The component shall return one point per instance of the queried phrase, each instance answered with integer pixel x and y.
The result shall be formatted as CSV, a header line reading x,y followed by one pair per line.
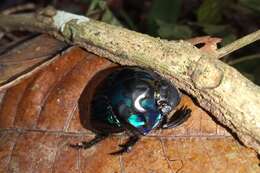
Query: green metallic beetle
x,y
134,100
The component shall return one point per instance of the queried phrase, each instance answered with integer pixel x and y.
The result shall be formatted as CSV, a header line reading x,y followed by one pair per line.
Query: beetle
x,y
136,101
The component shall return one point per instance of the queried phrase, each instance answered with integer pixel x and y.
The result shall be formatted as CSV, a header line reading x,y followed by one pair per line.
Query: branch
x,y
217,87
246,40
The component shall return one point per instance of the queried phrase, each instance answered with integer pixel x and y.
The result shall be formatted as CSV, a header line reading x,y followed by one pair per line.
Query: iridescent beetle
x,y
136,101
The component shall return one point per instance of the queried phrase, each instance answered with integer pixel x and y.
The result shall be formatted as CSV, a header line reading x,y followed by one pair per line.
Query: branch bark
x,y
217,87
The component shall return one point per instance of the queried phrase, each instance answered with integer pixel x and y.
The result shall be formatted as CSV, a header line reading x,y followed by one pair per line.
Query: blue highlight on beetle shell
x,y
148,104
136,120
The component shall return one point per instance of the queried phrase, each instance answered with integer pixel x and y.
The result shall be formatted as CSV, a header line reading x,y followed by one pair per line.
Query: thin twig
x,y
245,58
246,40
19,8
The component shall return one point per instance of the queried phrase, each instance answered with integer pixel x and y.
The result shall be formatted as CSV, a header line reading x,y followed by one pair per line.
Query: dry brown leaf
x,y
40,117
209,44
27,56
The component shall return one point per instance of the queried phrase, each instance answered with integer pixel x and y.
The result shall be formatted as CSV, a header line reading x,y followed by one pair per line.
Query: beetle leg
x,y
85,145
127,147
177,118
